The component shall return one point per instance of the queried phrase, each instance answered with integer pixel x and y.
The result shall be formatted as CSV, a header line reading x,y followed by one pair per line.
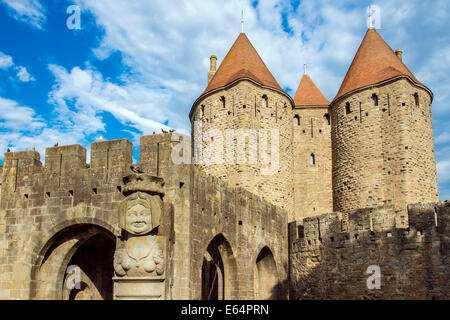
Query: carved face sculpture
x,y
138,219
140,213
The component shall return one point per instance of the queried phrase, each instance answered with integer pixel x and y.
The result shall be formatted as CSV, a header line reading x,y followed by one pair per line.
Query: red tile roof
x,y
242,61
374,62
308,94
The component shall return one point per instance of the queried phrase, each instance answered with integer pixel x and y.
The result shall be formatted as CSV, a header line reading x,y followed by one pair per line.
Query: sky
x,y
134,67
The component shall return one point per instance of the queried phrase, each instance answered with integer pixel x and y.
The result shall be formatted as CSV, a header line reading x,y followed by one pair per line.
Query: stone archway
x,y
266,280
83,253
219,272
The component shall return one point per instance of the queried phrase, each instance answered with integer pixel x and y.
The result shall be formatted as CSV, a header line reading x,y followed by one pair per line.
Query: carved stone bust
x,y
140,251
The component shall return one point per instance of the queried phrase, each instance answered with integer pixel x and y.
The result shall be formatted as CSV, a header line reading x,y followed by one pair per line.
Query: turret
x,y
382,136
242,126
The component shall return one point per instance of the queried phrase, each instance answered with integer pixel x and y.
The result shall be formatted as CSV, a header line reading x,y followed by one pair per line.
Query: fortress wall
x,y
330,254
247,222
38,201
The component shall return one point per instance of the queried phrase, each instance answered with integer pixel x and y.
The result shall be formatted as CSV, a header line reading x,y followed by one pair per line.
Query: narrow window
x,y
347,108
312,159
326,119
375,99
416,99
202,111
264,101
296,121
222,100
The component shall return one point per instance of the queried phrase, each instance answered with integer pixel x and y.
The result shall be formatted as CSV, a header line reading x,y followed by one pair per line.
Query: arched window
x,y
326,119
312,159
222,100
416,99
347,108
202,111
375,99
296,121
264,101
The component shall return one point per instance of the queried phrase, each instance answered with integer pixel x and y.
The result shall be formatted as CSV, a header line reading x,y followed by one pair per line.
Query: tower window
x,y
347,108
264,101
416,99
312,159
326,119
202,111
375,99
222,100
296,121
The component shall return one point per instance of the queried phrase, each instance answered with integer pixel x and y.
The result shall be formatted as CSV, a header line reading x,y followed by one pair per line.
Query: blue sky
x,y
137,66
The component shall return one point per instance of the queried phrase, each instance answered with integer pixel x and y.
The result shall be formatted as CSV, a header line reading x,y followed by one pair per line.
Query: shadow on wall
x,y
367,257
266,279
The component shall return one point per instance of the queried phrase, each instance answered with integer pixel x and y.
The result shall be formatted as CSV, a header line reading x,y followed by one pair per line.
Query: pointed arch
x,y
266,278
219,271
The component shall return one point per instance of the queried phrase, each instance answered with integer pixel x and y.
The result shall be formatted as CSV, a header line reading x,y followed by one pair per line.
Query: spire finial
x,y
370,17
242,20
304,67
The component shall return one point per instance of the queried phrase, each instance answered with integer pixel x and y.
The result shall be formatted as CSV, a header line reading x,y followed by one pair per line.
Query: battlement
x,y
334,229
66,172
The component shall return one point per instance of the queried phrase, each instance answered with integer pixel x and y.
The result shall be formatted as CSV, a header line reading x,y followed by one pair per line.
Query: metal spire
x,y
242,21
370,17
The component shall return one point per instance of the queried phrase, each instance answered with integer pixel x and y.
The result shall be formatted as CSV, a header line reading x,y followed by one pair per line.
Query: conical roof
x,y
242,61
308,94
374,62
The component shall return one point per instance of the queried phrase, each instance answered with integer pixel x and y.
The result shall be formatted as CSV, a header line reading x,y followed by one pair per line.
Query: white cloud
x,y
6,62
81,96
443,169
23,75
29,11
17,117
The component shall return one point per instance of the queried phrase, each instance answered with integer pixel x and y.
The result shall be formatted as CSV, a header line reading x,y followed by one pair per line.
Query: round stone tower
x,y
382,138
242,126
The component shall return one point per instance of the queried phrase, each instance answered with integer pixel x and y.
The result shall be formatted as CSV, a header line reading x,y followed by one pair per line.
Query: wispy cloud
x,y
6,63
29,11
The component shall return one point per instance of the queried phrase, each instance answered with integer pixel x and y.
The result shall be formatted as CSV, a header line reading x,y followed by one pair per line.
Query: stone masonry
x,y
311,146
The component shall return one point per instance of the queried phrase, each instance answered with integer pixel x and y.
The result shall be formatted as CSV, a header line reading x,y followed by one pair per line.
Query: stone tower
x,y
382,136
311,146
242,126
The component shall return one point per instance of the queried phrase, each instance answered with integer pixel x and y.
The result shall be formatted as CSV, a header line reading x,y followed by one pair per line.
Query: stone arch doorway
x,y
219,271
80,254
266,282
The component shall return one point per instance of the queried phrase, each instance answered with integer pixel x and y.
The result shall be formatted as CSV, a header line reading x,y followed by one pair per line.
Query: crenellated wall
x,y
330,254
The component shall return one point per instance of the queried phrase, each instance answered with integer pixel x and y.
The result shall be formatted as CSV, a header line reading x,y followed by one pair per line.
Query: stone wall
x,y
383,154
248,224
330,254
311,146
244,108
49,213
